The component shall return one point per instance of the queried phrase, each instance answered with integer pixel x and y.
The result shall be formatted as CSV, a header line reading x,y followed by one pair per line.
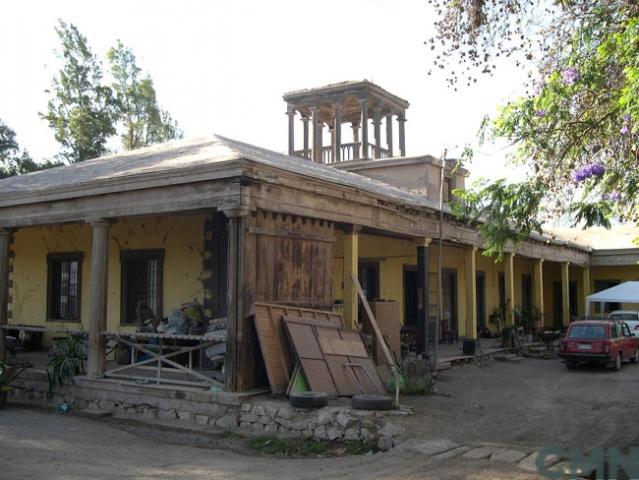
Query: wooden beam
x,y
538,287
509,274
470,265
565,293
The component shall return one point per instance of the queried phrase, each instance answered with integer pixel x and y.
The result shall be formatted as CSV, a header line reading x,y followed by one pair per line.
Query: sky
x,y
222,66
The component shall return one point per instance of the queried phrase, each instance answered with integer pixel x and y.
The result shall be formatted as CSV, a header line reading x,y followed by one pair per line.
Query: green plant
x,y
66,363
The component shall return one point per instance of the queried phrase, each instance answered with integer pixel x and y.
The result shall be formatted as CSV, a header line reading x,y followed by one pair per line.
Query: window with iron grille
x,y
141,283
64,271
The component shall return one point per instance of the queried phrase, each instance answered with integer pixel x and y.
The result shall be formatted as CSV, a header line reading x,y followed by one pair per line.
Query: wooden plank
x,y
273,342
342,347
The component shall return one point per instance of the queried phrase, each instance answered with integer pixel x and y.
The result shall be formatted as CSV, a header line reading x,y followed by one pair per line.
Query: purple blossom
x,y
613,196
626,118
587,171
540,113
624,130
570,75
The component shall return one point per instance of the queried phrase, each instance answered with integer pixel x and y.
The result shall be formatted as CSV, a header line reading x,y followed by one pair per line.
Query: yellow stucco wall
x,y
181,238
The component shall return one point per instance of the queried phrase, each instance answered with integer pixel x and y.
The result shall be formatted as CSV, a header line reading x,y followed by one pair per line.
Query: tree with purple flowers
x,y
577,128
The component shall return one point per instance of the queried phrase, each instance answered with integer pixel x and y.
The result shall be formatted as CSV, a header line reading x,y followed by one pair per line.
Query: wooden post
x,y
5,242
96,361
364,125
378,134
423,273
565,293
509,277
471,292
389,134
538,287
351,248
401,120
337,134
290,111
585,280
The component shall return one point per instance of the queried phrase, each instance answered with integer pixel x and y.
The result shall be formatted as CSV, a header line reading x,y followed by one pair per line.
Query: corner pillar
x,y
351,257
290,111
470,263
401,120
96,354
305,121
509,277
5,249
565,293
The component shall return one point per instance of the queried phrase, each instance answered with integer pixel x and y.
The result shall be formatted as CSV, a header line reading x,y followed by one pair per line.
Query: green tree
x,y
81,109
577,128
12,160
142,120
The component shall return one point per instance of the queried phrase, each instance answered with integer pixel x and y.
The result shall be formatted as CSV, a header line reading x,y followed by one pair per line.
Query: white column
x,y
290,111
378,134
337,133
401,120
364,127
389,134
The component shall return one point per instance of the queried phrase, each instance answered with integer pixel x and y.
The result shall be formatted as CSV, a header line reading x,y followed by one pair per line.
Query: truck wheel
x,y
3,399
372,402
309,399
635,357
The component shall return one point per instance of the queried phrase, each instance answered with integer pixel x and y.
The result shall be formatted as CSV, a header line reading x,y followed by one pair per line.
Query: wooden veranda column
x,y
470,264
423,273
351,254
585,280
538,286
5,242
565,293
96,361
509,277
235,291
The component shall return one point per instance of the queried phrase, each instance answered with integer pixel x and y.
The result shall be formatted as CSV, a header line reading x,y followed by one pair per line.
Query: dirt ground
x,y
532,403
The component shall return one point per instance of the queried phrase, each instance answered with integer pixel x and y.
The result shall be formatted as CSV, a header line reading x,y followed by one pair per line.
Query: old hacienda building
x,y
225,224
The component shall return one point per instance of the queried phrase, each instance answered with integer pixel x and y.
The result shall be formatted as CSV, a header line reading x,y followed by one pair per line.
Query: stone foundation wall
x,y
219,410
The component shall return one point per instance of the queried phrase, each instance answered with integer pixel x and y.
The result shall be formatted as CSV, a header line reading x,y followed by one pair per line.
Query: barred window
x,y
63,287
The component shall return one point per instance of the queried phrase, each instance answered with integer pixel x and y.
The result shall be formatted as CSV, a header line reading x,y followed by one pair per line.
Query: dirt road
x,y
36,445
531,403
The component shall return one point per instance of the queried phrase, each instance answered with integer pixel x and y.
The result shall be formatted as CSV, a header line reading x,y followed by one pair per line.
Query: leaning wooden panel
x,y
273,342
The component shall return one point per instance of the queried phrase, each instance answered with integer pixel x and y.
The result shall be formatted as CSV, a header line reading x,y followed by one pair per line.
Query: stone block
x,y
385,443
333,433
258,410
351,434
455,452
391,430
264,420
107,404
202,419
270,428
228,422
344,420
285,413
509,456
185,416
480,453
164,414
530,462
246,407
429,447
366,434
248,417
320,433
257,427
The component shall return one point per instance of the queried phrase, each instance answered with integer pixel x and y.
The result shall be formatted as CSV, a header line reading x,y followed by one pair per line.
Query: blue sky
x,y
221,67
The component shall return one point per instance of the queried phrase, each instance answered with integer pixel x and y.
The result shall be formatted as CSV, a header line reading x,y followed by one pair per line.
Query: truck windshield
x,y
587,331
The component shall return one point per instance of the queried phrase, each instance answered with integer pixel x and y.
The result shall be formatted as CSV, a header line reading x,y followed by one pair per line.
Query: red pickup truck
x,y
599,341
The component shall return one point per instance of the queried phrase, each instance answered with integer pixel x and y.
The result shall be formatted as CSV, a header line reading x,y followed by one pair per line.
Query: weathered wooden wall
x,y
286,260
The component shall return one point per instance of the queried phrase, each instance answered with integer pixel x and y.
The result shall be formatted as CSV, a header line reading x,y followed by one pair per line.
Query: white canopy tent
x,y
627,292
